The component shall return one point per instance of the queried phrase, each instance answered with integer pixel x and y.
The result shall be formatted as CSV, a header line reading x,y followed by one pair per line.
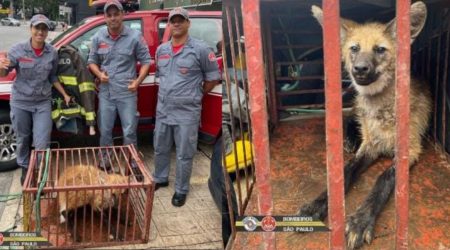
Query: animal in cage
x,y
369,55
82,175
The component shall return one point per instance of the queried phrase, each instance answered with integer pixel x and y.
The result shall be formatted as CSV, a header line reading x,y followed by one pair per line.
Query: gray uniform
x,y
118,58
179,106
31,97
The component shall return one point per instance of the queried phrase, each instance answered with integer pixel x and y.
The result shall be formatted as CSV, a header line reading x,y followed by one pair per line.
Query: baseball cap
x,y
38,19
113,3
178,11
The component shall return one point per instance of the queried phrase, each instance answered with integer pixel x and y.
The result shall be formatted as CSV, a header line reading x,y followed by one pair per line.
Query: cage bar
x,y
127,216
258,113
333,120
402,110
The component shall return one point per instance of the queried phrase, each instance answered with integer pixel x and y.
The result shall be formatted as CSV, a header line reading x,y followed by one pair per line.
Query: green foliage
x,y
50,8
5,4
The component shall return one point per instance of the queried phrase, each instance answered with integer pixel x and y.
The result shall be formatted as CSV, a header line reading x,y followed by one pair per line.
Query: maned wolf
x,y
82,175
368,52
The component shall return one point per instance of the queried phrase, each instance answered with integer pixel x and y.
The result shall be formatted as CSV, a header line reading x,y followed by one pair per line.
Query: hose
x,y
41,187
9,197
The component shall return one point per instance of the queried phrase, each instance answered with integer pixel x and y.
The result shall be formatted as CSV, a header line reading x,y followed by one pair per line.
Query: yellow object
x,y
240,62
241,161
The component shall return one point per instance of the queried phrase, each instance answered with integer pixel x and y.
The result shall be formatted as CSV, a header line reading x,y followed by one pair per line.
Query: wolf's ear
x,y
418,16
317,13
346,24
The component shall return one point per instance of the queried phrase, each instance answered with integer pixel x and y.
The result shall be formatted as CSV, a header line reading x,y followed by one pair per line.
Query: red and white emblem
x,y
103,45
268,223
25,59
212,57
184,70
166,56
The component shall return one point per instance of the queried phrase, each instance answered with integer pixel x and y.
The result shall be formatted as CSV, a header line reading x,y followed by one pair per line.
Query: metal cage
x,y
127,206
267,75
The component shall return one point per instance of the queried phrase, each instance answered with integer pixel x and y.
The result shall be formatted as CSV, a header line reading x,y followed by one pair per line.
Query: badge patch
x,y
103,46
184,70
268,223
212,57
166,56
25,59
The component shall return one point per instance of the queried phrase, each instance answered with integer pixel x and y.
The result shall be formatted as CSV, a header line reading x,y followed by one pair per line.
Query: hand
x,y
5,63
67,99
104,78
133,86
91,130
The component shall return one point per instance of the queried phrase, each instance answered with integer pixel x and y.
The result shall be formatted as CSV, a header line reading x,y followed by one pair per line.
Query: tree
x,y
50,8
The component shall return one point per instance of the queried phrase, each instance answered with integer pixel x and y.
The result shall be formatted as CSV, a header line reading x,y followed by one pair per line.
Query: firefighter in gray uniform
x,y
183,64
112,60
35,62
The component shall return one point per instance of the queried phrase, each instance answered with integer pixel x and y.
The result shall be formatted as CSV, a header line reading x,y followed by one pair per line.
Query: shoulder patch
x,y
212,57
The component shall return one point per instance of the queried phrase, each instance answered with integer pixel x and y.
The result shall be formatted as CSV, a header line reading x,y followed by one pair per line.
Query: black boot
x,y
178,199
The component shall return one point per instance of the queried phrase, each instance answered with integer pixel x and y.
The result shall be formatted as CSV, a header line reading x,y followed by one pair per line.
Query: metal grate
x,y
237,122
107,191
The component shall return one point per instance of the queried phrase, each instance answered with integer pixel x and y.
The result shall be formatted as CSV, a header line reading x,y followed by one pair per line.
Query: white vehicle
x,y
9,21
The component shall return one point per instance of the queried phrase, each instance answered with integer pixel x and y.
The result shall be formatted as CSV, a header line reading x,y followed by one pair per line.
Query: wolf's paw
x,y
359,229
316,210
350,146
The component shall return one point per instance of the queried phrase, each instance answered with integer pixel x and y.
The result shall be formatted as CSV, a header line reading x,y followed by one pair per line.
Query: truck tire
x,y
8,145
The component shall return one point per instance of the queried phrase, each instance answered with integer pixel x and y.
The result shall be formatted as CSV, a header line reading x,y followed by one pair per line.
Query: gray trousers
x,y
185,138
37,125
128,114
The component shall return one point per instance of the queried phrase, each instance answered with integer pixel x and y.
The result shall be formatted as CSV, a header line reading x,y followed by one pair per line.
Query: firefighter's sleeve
x,y
87,90
208,62
142,53
93,56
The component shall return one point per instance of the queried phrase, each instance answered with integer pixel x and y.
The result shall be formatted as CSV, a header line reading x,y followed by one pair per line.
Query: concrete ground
x,y
196,225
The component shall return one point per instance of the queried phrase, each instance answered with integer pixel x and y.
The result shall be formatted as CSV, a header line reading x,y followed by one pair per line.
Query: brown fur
x,y
84,175
369,54
375,103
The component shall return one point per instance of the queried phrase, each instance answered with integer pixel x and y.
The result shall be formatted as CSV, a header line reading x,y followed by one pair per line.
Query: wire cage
x,y
88,197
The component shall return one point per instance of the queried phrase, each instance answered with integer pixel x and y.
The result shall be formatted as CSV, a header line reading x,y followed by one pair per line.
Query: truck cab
x,y
205,25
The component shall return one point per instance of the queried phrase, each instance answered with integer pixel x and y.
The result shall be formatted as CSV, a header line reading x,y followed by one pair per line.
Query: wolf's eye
x,y
354,48
380,50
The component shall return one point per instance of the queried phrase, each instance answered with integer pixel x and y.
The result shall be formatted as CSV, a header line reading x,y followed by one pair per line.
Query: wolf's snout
x,y
361,69
363,73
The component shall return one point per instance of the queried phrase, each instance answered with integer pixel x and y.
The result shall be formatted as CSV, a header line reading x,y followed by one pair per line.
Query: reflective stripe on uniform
x,y
68,80
90,116
71,111
86,86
